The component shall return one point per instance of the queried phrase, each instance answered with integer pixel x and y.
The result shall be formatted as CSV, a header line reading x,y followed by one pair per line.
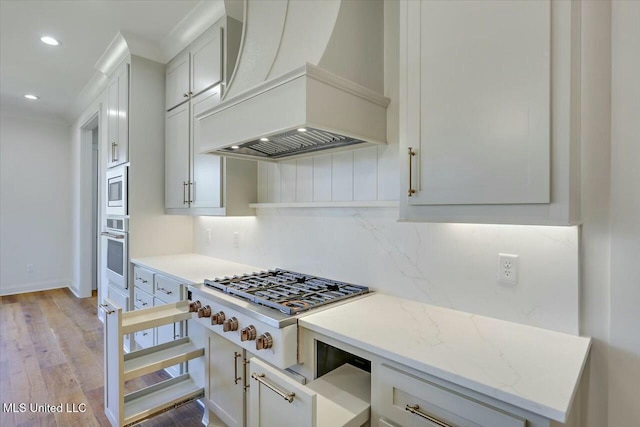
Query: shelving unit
x,y
127,409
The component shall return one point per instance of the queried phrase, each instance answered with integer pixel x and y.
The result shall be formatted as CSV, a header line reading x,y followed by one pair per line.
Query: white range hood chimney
x,y
309,77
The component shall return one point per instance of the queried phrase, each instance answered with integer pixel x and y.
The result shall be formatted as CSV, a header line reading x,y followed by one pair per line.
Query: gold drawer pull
x,y
415,410
236,355
411,154
287,396
105,308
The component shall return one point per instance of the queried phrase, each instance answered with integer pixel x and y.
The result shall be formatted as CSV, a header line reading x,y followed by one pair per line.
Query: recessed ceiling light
x,y
49,40
302,130
264,139
235,147
32,97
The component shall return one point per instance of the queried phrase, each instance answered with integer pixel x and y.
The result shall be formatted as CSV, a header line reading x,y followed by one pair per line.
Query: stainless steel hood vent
x,y
293,142
302,64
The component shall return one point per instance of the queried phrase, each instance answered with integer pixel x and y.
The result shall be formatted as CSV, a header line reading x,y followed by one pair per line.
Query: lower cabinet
x,y
227,395
405,400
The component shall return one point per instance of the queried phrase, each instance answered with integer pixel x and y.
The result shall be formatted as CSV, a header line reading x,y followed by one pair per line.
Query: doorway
x,y
90,235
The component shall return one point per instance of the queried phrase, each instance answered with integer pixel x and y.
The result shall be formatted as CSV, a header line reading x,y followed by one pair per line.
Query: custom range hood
x,y
309,78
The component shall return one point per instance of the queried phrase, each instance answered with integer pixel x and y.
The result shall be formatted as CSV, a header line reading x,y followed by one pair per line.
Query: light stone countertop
x,y
532,368
192,269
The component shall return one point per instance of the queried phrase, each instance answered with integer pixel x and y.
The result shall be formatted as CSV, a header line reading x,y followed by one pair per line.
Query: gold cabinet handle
x,y
184,192
261,379
415,410
236,378
411,154
245,382
105,308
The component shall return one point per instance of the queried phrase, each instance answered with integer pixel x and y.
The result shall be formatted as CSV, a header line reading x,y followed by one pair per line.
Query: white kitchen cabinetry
x,y
337,399
227,395
205,63
118,116
409,400
177,158
487,115
177,82
203,184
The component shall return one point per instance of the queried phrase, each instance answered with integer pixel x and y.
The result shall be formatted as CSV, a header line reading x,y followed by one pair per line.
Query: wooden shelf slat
x,y
138,320
160,397
159,357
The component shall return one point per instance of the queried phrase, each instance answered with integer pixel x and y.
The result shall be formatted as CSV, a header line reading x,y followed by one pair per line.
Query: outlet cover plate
x,y
508,269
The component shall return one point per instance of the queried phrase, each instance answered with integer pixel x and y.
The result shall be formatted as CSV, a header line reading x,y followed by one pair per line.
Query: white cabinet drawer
x,y
340,398
166,289
143,279
141,299
119,297
408,400
143,339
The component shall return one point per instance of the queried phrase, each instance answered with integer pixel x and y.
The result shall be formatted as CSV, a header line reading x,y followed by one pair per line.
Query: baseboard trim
x,y
35,287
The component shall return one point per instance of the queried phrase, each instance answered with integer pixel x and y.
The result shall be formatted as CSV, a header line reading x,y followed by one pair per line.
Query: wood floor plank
x,y
51,351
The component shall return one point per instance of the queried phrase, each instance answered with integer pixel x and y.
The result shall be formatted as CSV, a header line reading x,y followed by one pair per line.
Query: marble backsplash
x,y
450,265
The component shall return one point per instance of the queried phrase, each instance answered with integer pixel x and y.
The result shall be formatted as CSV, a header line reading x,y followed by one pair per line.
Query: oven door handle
x,y
113,236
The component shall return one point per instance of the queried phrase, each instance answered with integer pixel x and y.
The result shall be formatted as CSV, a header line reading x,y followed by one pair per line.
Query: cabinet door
x,y
478,102
269,408
207,169
122,148
206,61
177,81
177,158
112,123
225,393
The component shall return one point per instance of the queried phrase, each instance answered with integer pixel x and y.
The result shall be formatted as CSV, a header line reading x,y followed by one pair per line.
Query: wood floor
x,y
51,352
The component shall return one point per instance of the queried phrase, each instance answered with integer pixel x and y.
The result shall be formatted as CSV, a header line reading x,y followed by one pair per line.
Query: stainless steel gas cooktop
x,y
286,291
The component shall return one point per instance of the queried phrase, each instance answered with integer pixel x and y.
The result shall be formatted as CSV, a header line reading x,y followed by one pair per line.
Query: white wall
x,y
624,336
35,199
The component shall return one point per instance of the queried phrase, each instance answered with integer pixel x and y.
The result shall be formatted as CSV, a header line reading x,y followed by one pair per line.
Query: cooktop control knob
x,y
230,325
194,306
248,333
204,311
264,341
218,318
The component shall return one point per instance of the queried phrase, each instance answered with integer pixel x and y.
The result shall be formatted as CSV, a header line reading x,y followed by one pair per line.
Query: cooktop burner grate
x,y
286,291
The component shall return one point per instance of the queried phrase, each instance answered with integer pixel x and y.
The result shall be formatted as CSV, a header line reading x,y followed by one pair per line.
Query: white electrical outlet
x,y
236,239
29,268
508,269
208,235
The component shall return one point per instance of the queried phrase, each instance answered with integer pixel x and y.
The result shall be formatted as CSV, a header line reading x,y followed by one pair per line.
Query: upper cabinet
x,y
118,117
196,183
177,81
487,125
196,69
207,62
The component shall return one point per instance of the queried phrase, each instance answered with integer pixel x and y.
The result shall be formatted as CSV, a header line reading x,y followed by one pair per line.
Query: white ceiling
x,y
85,28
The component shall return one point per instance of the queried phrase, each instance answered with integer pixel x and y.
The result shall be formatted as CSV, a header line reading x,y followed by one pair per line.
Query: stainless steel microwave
x,y
117,190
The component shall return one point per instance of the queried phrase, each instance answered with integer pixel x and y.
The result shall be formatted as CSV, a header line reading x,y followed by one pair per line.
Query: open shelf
x,y
158,357
160,397
138,320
